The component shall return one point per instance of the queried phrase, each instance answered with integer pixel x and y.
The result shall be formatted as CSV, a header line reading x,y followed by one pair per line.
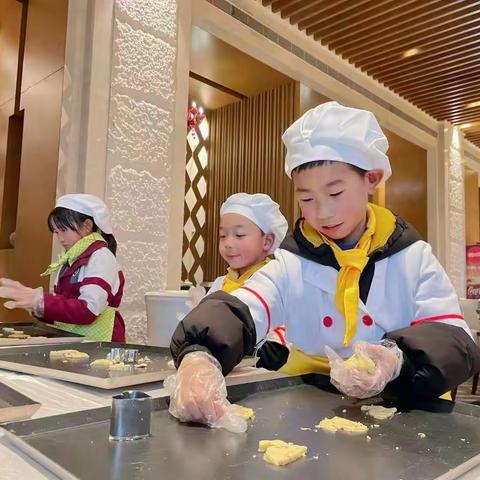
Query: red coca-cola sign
x,y
473,271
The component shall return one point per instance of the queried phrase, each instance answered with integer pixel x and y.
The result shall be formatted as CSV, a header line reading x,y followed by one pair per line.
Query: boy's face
x,y
333,199
242,244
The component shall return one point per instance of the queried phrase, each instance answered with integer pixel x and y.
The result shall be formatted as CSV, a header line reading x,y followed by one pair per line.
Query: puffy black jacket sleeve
x,y
437,358
220,325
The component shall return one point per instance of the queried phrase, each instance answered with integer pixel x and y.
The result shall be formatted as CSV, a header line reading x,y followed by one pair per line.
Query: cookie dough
x,y
21,336
360,362
101,363
280,453
170,364
378,412
69,355
245,412
338,423
107,364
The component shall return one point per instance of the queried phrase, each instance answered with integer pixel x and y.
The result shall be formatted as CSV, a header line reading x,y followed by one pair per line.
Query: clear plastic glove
x,y
19,295
357,383
198,393
195,295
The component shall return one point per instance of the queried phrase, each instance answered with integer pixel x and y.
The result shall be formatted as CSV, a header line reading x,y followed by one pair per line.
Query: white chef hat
x,y
88,205
331,131
261,210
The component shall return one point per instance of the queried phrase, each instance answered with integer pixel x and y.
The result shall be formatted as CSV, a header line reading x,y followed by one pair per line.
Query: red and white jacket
x,y
83,290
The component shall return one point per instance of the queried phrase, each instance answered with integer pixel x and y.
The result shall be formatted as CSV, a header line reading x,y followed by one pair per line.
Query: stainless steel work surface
x,y
40,333
35,361
14,406
285,409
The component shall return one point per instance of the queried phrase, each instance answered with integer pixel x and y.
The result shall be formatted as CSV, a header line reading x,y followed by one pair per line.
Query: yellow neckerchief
x,y
70,255
233,280
380,226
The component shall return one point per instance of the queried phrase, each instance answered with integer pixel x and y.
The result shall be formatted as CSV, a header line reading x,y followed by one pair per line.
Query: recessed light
x,y
465,125
411,52
473,104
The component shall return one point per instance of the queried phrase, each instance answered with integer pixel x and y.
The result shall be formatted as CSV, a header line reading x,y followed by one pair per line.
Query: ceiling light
x,y
473,104
411,52
465,125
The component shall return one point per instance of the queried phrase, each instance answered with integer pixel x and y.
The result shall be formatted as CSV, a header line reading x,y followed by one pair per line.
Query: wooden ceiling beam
x,y
448,88
278,5
356,17
424,22
459,63
460,118
427,50
428,77
330,11
432,85
404,65
266,3
383,18
378,42
450,99
458,115
311,8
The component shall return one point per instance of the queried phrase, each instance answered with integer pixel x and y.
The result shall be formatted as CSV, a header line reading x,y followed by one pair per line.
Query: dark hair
x,y
66,219
321,163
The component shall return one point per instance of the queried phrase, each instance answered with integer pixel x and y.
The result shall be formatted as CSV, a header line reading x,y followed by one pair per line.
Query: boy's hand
x,y
198,393
364,384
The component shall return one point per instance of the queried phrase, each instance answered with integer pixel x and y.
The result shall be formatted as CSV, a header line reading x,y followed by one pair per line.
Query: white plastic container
x,y
165,309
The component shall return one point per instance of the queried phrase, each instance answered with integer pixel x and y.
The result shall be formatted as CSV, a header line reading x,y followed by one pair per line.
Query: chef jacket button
x,y
328,321
367,320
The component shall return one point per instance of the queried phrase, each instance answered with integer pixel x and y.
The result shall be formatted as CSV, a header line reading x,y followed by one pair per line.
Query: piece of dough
x,y
171,364
278,452
8,329
378,412
69,355
120,366
21,336
360,362
245,412
101,363
338,423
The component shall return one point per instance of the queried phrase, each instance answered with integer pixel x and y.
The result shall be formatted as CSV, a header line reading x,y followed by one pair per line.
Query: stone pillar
x,y
145,160
455,207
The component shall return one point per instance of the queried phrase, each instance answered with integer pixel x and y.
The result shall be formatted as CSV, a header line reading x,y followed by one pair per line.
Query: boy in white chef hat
x,y
89,283
251,228
351,274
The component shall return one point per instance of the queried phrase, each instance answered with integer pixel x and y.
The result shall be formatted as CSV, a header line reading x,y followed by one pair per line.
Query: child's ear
x,y
373,179
268,240
88,225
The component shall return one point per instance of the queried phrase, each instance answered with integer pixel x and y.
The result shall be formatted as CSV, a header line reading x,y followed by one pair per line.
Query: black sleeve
x,y
437,358
221,325
272,355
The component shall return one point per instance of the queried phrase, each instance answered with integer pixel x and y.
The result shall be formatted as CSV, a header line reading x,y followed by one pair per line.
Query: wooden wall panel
x,y
406,190
41,99
247,155
472,209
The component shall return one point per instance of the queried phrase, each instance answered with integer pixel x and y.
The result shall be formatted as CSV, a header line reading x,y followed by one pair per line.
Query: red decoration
x,y
195,115
367,320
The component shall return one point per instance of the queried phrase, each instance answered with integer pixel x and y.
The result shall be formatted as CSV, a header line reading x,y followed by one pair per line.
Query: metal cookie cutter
x,y
130,416
125,355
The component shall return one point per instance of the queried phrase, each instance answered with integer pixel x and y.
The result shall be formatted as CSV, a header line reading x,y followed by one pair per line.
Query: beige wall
x,y
472,210
41,99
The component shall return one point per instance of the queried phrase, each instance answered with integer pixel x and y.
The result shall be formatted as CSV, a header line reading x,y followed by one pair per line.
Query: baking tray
x,y
15,406
36,330
35,361
286,409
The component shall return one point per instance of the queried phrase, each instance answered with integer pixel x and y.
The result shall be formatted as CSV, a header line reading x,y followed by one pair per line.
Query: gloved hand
x,y
20,296
195,295
198,393
356,383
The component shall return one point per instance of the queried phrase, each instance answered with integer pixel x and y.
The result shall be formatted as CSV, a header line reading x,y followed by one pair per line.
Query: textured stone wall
x,y
456,210
140,138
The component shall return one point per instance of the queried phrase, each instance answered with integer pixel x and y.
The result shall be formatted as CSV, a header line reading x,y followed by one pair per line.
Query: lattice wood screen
x,y
194,231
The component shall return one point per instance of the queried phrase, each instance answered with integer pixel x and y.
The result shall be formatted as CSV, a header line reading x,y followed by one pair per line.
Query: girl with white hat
x,y
89,283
